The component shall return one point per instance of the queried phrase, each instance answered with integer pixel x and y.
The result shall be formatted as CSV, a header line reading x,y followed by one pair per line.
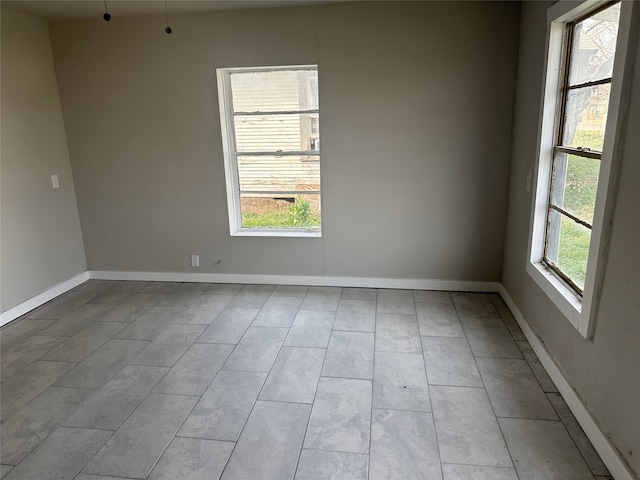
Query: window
x,y
579,131
271,138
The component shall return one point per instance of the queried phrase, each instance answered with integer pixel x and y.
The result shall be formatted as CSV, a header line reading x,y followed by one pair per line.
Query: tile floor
x,y
138,380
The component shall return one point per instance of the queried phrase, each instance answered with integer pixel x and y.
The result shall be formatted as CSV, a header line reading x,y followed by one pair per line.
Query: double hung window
x,y
582,112
270,123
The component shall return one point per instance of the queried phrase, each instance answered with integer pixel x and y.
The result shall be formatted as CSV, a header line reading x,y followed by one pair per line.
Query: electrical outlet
x,y
195,260
54,181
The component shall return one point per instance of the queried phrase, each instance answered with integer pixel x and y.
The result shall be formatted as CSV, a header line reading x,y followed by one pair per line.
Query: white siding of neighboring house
x,y
257,133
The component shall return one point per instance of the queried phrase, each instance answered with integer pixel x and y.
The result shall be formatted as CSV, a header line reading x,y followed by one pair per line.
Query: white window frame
x,y
225,100
579,310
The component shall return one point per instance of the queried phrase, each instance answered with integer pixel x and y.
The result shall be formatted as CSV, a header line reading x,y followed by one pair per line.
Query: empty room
x,y
317,239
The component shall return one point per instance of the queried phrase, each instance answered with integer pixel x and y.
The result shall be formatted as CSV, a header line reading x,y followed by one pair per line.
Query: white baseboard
x,y
42,298
364,282
607,452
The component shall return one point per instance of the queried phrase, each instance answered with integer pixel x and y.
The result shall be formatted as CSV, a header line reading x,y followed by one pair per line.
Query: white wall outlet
x,y
54,181
195,260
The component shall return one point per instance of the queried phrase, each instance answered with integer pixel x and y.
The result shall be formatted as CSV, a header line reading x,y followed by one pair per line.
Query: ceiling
x,y
70,9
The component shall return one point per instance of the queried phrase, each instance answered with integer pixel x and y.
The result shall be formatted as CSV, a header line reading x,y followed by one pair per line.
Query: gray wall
x,y
415,125
41,237
604,371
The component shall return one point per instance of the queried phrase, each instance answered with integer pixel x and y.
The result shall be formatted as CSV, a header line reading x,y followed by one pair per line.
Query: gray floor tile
x,y
496,299
488,337
397,333
322,298
195,369
105,393
400,382
124,313
180,299
140,441
438,320
101,365
84,476
294,376
474,305
34,422
223,409
111,298
290,291
356,315
310,328
204,310
449,362
403,445
145,299
360,294
128,287
574,429
19,390
431,296
511,323
160,287
536,367
61,455
399,302
96,286
62,305
77,320
350,355
20,330
24,354
513,390
167,348
252,296
319,464
473,472
85,342
467,430
192,459
257,350
113,403
151,323
278,312
543,449
223,289
229,326
341,416
270,442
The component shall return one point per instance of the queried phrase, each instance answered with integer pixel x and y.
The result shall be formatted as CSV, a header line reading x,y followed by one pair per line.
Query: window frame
x,y
579,310
230,153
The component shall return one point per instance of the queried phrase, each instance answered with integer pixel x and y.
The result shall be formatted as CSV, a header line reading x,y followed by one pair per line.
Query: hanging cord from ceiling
x,y
166,15
106,15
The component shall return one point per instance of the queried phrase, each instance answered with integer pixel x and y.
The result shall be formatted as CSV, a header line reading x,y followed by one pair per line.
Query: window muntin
x,y
272,149
584,102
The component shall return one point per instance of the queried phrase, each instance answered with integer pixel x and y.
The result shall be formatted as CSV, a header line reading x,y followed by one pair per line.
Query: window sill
x,y
277,233
561,295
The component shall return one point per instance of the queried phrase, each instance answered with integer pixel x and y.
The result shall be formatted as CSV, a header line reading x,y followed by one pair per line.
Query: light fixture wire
x,y
166,16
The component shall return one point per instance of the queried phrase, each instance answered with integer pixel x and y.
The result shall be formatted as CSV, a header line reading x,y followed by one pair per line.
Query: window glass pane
x,y
586,117
275,91
271,133
281,211
286,173
575,184
594,46
568,246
